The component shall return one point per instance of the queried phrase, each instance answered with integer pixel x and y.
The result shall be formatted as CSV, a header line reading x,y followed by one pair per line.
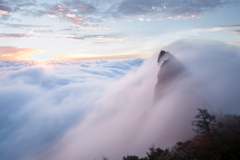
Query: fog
x,y
87,110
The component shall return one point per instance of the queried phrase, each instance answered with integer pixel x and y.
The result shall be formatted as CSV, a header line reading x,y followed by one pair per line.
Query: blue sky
x,y
86,29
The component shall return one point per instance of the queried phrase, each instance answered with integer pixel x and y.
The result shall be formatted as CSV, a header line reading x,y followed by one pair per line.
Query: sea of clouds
x,y
40,101
58,110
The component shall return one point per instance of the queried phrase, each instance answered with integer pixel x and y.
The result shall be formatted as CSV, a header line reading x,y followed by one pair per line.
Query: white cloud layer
x,y
85,111
38,102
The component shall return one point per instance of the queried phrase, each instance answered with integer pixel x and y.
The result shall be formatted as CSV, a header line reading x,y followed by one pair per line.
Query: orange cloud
x,y
71,15
236,31
127,56
3,12
14,53
75,18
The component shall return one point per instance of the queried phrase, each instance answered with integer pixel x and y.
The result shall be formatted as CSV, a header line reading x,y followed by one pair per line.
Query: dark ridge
x,y
162,53
170,70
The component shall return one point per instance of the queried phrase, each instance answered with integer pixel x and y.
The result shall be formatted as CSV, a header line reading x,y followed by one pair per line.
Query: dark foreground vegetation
x,y
218,138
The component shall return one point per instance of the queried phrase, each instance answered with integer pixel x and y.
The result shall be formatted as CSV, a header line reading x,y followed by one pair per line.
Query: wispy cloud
x,y
15,25
88,37
234,42
14,53
66,30
103,44
233,31
3,12
15,35
231,26
105,37
41,31
225,28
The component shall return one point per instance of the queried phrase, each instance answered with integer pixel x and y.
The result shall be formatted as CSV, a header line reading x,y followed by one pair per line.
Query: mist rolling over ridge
x,y
65,110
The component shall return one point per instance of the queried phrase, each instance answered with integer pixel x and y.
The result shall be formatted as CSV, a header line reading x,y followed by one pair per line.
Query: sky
x,y
92,29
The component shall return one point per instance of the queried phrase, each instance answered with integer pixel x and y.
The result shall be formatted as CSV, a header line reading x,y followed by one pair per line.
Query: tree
x,y
182,150
158,154
154,153
130,157
204,122
104,158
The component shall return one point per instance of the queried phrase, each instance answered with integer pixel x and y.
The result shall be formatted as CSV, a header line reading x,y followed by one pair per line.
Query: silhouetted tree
x,y
182,150
227,139
158,154
104,158
204,122
130,158
154,153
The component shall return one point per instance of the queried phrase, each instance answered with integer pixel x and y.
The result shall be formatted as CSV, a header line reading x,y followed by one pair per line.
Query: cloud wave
x,y
39,102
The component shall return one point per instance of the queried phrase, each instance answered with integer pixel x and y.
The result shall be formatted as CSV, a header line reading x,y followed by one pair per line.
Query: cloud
x,y
105,37
125,121
103,44
86,110
8,8
83,7
14,25
225,28
234,31
15,35
66,30
3,12
57,92
42,31
14,53
90,14
113,100
166,9
33,28
4,8
75,12
87,37
231,26
234,42
218,81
